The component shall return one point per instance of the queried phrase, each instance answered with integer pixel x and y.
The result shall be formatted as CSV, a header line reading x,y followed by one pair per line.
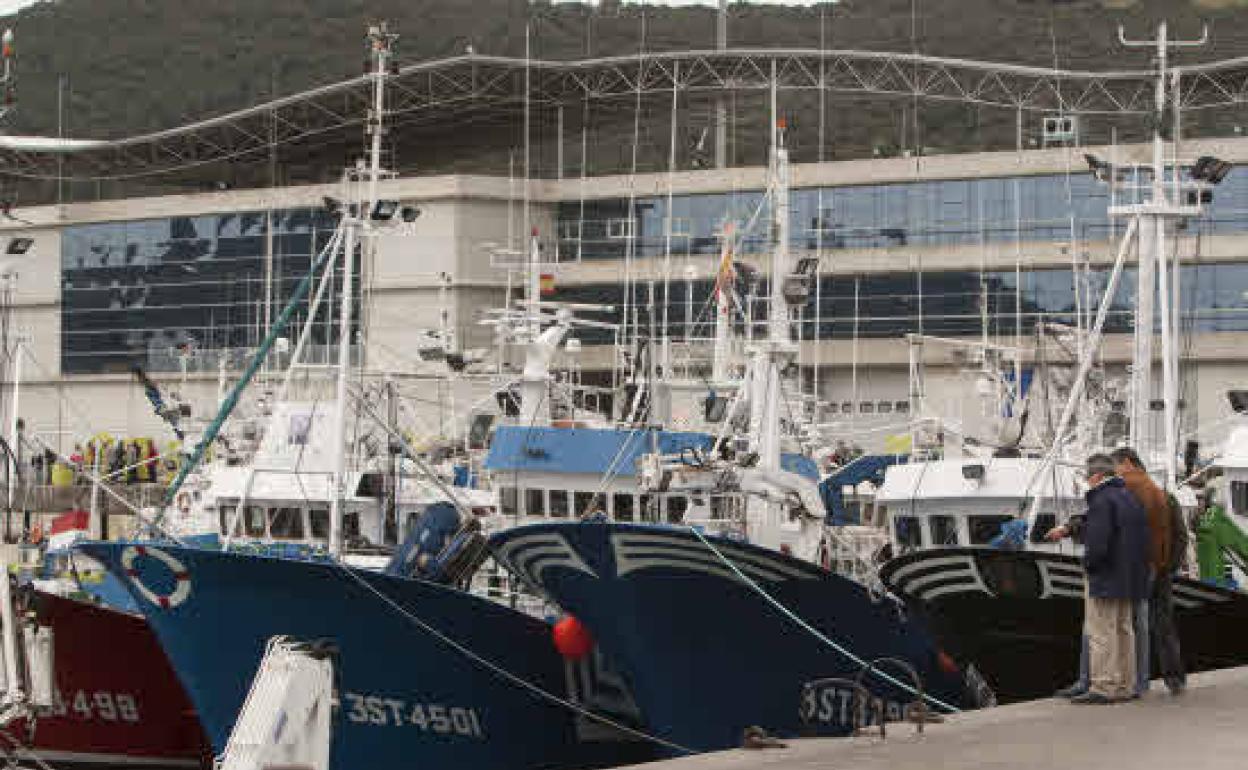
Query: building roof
x,y
444,91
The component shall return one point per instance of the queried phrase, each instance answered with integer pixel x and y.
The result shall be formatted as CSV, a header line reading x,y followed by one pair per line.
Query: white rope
x,y
818,634
510,677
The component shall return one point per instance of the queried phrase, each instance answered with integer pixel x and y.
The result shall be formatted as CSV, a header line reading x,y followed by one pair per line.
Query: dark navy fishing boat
x,y
428,675
705,652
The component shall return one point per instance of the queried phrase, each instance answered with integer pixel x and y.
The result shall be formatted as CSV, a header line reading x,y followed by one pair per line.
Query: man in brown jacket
x,y
1156,614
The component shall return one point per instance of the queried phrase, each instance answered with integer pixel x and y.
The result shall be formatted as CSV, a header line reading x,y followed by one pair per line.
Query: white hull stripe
x,y
955,588
1198,594
719,570
531,555
106,759
678,557
916,585
644,558
633,541
925,564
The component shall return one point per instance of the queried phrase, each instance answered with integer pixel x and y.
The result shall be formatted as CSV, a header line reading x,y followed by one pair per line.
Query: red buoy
x,y
572,639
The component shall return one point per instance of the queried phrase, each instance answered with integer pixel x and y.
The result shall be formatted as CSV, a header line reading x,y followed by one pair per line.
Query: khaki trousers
x,y
1109,626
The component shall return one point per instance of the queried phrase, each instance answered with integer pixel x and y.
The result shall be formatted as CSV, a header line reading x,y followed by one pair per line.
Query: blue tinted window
x,y
148,292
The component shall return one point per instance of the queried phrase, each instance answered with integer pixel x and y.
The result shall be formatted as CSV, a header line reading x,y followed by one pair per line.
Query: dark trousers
x,y
1165,634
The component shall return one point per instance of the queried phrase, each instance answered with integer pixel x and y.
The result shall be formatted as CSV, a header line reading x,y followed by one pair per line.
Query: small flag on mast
x,y
725,275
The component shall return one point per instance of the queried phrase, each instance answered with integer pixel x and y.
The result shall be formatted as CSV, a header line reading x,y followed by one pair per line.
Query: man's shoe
x,y
1092,699
1177,687
1074,691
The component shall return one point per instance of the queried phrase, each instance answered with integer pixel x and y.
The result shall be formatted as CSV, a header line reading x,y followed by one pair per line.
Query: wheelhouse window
x,y
647,511
581,501
985,528
676,507
286,523
254,521
1239,497
625,509
559,503
1044,522
318,520
351,524
724,507
943,529
906,531
509,501
535,502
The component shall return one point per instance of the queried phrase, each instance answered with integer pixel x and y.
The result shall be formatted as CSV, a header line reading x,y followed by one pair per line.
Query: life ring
x,y
183,501
182,578
36,535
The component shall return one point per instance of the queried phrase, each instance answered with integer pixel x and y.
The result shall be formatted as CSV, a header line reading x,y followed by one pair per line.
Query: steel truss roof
x,y
438,92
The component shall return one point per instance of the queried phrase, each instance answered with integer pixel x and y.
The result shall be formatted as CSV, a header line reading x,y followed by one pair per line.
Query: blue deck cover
x,y
599,451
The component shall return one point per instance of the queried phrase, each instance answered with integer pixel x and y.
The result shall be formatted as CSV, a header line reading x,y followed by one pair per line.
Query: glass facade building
x,y
914,214
947,302
153,292
1055,208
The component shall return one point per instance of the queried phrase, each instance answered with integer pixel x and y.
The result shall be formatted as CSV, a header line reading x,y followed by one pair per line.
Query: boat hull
x,y
409,698
1019,615
705,654
118,702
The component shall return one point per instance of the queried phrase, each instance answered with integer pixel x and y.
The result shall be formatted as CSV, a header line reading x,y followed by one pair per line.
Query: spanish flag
x,y
547,284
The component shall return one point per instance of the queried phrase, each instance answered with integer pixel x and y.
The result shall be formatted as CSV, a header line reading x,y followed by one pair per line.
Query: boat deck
x,y
1201,729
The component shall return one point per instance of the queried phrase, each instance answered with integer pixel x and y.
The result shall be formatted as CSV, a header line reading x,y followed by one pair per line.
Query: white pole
x,y
1081,376
13,685
14,447
340,401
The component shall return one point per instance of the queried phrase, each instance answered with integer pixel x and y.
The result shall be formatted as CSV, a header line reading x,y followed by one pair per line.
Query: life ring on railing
x,y
36,535
182,578
183,501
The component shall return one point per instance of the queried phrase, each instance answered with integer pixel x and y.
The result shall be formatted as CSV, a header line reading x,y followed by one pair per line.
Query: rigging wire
x,y
506,675
844,651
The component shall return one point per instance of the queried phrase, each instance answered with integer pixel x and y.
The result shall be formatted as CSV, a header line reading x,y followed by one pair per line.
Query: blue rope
x,y
819,635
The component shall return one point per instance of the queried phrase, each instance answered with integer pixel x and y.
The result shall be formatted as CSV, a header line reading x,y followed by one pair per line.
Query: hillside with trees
x,y
121,67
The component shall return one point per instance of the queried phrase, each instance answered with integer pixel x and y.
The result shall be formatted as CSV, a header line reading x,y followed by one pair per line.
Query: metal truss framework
x,y
439,92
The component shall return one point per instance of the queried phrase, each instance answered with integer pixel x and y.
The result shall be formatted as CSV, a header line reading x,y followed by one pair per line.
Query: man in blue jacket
x,y
1116,560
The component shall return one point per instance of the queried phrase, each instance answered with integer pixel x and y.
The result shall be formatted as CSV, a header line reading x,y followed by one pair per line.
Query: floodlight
x,y
1102,170
1210,169
1239,400
410,213
384,211
20,245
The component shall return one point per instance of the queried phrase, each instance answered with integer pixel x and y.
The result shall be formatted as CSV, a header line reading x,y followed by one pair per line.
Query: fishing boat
x,y
427,673
62,706
711,589
999,601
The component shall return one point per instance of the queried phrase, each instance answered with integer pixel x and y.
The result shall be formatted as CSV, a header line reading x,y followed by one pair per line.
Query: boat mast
x,y
1152,217
773,353
357,216
724,282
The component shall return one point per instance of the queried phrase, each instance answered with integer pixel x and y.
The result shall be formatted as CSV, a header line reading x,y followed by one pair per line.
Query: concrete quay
x,y
1204,729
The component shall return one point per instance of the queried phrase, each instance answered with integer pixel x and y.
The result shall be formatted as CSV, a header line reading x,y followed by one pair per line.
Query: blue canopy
x,y
599,451
865,468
